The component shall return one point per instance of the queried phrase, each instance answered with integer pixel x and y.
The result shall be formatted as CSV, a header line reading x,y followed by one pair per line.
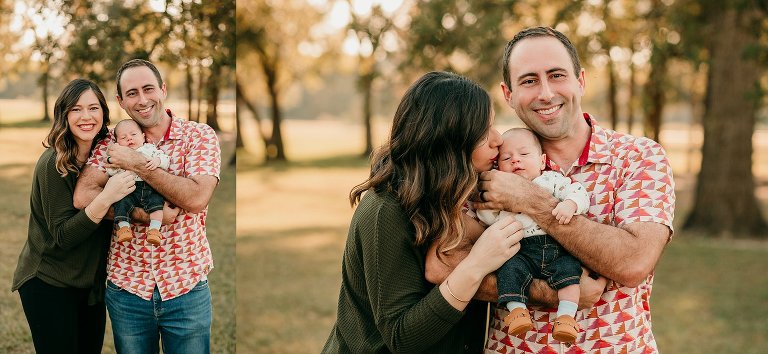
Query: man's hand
x,y
564,211
506,191
125,158
170,212
591,288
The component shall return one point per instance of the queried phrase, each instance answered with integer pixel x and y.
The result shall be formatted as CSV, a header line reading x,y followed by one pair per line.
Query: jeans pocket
x,y
112,287
202,285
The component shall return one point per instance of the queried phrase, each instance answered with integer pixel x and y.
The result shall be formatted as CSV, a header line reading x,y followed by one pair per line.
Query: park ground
x,y
709,295
20,141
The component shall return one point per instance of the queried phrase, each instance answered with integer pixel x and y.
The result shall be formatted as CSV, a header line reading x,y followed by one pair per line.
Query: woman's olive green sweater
x,y
64,247
385,303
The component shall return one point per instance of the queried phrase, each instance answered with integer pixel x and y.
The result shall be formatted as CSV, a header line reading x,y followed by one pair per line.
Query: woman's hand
x,y
498,243
118,186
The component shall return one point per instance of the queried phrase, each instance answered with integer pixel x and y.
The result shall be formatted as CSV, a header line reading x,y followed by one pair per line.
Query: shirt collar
x,y
174,129
596,150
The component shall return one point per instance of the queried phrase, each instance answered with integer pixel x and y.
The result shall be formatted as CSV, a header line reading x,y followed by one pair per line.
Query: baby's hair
x,y
125,121
518,129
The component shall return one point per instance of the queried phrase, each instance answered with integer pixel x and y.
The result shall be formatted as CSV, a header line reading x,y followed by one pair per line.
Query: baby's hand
x,y
564,211
152,164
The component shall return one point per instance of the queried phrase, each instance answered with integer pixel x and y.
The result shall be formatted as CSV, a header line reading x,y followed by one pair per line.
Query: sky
x,y
339,17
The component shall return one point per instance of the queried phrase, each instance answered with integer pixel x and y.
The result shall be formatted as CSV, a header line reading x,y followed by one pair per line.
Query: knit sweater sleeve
x,y
411,314
67,225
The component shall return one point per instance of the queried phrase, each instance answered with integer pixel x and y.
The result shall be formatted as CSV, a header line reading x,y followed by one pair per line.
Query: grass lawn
x,y
709,296
21,147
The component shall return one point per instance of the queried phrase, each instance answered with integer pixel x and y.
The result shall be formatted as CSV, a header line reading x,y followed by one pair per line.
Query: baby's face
x,y
520,154
130,135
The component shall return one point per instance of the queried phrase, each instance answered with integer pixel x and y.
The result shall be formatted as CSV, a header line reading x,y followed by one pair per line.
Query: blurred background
x,y
46,43
319,80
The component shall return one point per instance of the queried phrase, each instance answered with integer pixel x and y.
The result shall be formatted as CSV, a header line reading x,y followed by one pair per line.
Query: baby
x,y
540,256
128,133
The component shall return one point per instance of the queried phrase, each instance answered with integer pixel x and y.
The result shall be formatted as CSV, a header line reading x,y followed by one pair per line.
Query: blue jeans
x,y
143,196
540,257
183,323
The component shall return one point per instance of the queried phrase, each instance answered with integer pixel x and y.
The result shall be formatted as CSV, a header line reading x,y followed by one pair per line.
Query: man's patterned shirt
x,y
629,179
184,256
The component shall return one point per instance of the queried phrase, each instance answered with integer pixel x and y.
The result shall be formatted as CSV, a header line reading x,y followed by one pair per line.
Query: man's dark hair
x,y
136,63
533,32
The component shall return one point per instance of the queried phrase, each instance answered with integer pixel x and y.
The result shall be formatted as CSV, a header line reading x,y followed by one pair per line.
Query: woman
x,y
441,138
61,271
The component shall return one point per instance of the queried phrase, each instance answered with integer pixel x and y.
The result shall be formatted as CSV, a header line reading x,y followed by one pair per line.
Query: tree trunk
x,y
212,97
366,86
243,101
275,150
190,92
200,87
366,75
725,203
654,93
238,126
44,83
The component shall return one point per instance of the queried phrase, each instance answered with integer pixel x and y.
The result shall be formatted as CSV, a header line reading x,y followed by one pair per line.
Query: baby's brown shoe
x,y
565,329
518,321
154,236
124,234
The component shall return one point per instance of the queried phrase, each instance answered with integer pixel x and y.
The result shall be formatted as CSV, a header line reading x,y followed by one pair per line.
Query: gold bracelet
x,y
97,220
447,286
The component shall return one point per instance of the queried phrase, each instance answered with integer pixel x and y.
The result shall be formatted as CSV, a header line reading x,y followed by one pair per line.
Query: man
x,y
629,221
159,292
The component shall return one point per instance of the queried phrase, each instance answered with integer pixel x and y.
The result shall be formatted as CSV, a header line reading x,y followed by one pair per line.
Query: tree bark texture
x,y
725,204
275,150
654,92
190,92
212,93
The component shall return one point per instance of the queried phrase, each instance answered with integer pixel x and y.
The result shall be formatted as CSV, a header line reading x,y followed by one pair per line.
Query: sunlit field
x,y
21,146
709,295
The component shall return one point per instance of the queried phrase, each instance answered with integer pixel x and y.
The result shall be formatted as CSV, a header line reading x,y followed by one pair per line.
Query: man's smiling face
x,y
544,91
142,96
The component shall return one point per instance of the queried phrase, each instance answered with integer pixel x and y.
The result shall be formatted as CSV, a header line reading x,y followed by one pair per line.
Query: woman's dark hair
x,y
427,162
60,137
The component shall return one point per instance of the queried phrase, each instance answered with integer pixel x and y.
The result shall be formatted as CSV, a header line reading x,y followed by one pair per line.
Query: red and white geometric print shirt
x,y
629,179
184,256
